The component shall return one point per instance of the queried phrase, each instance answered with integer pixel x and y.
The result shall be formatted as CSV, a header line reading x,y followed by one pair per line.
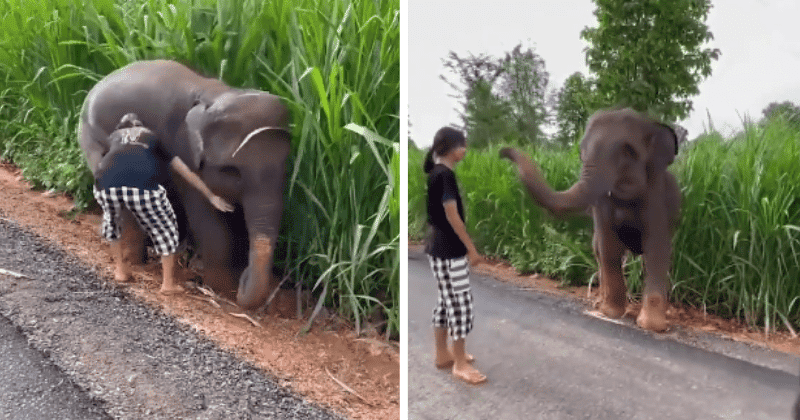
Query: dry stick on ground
x,y
273,294
789,326
211,301
215,296
247,317
347,388
212,295
321,300
13,274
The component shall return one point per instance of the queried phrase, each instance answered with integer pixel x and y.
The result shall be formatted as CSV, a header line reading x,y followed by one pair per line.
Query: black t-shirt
x,y
443,242
140,163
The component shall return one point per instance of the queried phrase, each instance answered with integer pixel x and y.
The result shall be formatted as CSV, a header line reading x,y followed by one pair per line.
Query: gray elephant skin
x,y
632,198
236,140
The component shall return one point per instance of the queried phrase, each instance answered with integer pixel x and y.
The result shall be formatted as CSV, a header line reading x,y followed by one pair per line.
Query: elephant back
x,y
160,92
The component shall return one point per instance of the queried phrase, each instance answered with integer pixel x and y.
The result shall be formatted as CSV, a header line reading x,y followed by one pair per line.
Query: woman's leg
x,y
111,204
154,212
169,285
454,309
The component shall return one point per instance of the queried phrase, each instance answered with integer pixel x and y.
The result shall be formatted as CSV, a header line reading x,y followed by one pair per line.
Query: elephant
x,y
236,140
633,199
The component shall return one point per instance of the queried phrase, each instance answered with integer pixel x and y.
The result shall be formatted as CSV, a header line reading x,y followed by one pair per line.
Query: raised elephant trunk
x,y
577,198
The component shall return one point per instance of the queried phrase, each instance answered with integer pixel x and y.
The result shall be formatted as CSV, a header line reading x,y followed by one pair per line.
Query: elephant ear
x,y
664,147
195,126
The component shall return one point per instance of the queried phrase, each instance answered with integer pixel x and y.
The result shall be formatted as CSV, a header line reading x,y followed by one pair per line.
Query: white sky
x,y
759,41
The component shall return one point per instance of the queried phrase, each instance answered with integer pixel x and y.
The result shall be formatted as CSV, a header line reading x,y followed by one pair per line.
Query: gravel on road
x,y
133,360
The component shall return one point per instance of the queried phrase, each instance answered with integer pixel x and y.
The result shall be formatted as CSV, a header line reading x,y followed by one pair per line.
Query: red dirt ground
x,y
688,318
303,362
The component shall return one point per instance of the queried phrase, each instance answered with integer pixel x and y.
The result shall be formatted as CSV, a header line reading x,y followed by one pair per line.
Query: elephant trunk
x,y
255,280
578,198
263,222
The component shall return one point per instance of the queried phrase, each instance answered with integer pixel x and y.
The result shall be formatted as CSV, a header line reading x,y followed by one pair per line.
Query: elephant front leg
x,y
657,259
609,251
653,316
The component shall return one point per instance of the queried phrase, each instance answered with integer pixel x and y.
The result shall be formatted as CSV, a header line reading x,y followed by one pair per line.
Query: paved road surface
x,y
134,361
32,388
546,359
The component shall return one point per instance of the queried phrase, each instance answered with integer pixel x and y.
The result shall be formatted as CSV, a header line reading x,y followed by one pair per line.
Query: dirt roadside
x,y
689,319
317,365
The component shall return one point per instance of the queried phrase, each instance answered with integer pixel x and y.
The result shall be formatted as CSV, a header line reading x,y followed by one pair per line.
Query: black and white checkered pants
x,y
151,208
454,309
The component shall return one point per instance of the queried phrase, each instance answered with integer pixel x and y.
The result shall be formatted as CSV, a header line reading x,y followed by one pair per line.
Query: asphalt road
x,y
546,359
131,360
31,387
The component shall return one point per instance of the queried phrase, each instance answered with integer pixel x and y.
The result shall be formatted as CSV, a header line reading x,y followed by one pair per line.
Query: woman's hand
x,y
475,258
220,204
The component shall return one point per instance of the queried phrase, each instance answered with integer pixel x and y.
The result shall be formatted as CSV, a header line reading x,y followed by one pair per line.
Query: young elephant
x,y
236,140
633,199
129,176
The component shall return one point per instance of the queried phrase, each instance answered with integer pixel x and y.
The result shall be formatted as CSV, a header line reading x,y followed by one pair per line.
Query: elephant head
x,y
622,152
239,145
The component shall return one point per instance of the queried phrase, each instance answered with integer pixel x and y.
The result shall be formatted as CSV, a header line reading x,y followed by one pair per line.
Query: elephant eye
x,y
629,152
231,171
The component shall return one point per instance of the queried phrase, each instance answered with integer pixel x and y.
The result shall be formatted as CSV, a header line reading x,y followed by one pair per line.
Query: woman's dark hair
x,y
129,120
445,140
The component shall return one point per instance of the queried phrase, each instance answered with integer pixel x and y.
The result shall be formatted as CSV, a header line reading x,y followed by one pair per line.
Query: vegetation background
x,y
337,64
736,248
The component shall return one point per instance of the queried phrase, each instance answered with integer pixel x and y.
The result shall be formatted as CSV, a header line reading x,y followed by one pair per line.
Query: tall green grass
x,y
502,219
736,253
736,246
337,63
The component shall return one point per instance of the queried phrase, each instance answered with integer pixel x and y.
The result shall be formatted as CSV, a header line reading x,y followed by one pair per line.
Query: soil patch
x,y
687,318
316,364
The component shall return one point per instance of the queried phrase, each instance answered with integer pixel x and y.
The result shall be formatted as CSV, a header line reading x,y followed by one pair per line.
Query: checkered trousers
x,y
151,208
454,309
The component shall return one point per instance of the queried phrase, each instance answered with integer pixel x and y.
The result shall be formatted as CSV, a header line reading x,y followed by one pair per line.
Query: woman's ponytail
x,y
427,166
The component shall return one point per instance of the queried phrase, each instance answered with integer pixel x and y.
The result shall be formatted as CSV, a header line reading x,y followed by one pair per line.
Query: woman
x,y
450,251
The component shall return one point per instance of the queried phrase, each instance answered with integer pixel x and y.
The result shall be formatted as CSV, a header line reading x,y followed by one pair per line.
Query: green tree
x,y
649,54
786,109
572,107
502,98
486,116
480,106
523,85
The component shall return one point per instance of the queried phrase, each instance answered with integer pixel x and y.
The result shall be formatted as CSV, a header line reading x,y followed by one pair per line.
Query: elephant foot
x,y
171,290
612,310
653,316
122,276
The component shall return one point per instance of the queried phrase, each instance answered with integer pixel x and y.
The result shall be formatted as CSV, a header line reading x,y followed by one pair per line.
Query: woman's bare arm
x,y
451,212
177,164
